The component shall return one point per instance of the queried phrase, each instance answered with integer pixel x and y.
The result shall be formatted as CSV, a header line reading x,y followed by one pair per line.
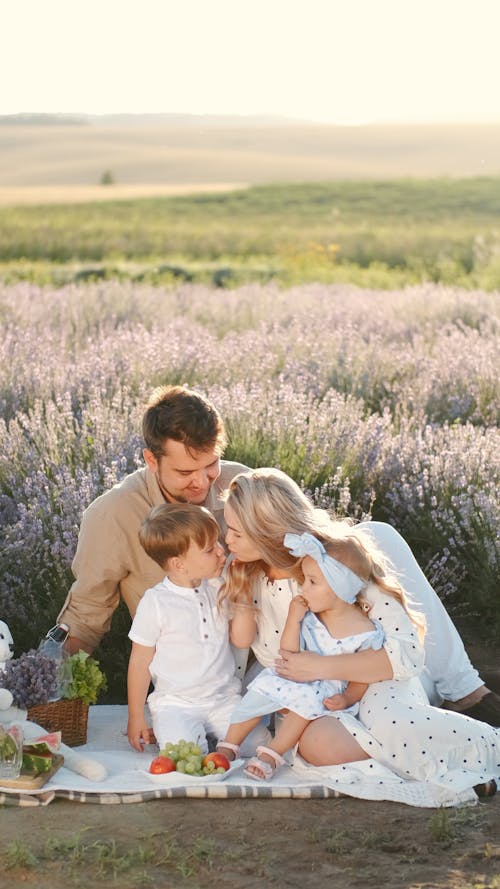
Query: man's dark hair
x,y
182,415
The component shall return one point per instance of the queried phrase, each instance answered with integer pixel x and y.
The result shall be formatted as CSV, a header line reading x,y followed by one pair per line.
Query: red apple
x,y
219,760
162,765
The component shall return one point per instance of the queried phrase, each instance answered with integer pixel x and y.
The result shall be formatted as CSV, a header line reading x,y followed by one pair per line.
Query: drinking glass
x,y
11,751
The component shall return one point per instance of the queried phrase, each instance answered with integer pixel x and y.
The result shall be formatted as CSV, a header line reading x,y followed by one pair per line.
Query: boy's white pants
x,y
176,720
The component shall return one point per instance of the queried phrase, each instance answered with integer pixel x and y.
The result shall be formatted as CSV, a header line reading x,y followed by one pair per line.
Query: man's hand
x,y
299,666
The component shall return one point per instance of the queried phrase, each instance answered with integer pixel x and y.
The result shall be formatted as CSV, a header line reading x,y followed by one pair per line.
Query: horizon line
x,y
77,116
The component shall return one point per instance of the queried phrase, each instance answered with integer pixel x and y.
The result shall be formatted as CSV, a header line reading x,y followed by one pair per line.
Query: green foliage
x,y
18,854
441,828
375,234
107,178
113,656
87,679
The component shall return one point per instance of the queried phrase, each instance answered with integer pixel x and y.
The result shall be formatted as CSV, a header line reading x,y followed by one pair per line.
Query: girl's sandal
x,y
264,771
225,745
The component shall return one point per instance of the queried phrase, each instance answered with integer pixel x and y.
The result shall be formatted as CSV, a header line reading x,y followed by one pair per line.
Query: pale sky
x,y
338,61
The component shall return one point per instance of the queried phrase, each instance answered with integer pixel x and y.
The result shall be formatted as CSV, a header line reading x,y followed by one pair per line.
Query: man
x,y
185,439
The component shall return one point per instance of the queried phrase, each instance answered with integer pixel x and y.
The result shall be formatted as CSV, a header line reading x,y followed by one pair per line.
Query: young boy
x,y
180,639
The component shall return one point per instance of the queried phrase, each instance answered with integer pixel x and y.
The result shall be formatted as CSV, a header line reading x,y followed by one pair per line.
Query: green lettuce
x,y
87,679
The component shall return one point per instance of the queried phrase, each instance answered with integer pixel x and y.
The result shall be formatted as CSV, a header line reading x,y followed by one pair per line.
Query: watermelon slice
x,y
49,743
36,760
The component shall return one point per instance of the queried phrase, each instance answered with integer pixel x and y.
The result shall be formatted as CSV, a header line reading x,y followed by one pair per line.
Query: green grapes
x,y
188,758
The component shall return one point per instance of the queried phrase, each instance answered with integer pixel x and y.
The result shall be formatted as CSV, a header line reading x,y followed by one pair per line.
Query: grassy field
x,y
231,201
384,233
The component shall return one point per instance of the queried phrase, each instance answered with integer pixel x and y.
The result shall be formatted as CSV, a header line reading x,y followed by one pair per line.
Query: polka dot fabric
x,y
306,698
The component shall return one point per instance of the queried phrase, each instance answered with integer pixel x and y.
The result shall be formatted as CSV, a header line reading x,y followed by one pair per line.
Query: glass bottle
x,y
53,647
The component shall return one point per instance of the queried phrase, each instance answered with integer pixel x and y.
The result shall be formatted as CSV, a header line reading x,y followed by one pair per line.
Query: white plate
x,y
180,778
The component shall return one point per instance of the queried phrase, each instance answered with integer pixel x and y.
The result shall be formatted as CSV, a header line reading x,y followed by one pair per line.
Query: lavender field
x,y
378,403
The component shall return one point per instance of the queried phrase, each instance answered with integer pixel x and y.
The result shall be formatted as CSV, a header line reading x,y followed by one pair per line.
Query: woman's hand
x,y
361,666
300,666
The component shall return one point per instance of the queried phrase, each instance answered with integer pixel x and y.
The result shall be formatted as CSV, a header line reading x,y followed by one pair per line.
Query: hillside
x,y
201,151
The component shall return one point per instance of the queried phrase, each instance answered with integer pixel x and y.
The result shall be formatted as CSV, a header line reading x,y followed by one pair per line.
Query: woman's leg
x,y
326,742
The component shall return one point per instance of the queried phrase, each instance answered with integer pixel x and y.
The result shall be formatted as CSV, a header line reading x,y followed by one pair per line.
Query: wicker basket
x,y
67,717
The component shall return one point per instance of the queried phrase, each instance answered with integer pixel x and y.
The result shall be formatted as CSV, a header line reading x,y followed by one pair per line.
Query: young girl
x,y
328,618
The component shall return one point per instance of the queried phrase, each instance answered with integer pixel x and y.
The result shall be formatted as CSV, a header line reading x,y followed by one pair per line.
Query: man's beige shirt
x,y
110,562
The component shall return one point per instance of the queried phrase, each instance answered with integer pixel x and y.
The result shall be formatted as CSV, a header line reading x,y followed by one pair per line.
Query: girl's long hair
x,y
268,504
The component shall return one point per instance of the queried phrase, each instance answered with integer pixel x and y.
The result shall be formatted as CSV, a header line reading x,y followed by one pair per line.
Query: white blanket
x,y
128,779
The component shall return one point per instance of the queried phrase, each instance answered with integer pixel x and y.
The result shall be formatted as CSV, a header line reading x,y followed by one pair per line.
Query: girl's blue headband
x,y
344,582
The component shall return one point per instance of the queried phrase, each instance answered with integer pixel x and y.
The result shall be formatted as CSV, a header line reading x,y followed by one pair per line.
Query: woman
x,y
395,718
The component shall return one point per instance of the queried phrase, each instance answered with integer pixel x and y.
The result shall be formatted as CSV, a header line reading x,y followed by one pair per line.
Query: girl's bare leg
x,y
236,733
290,730
325,742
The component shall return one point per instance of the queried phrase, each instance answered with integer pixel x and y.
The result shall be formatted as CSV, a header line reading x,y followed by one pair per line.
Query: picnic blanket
x,y
129,781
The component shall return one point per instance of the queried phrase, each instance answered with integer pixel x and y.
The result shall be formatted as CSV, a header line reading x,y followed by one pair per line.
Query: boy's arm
x,y
138,679
290,637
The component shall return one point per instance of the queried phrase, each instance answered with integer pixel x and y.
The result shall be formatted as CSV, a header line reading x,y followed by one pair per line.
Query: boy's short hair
x,y
183,415
169,529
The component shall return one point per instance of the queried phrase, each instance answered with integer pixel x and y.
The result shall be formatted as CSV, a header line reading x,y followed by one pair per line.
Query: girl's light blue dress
x,y
269,692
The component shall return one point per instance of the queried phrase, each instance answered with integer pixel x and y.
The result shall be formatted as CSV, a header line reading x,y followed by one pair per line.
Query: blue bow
x,y
344,582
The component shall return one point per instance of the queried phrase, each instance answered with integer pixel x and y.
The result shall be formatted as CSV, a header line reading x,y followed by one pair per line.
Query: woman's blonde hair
x,y
269,504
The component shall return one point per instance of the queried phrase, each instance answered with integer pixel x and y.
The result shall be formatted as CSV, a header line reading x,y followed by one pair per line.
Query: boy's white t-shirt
x,y
193,659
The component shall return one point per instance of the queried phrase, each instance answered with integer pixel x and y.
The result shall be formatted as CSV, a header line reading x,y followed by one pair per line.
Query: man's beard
x,y
171,498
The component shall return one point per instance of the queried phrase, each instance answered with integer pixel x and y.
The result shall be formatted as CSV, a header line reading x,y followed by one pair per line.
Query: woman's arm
x,y
361,666
401,657
242,627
